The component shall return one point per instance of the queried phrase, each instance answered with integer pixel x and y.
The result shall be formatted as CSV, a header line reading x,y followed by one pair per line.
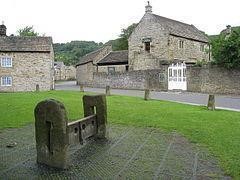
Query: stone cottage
x,y
26,63
88,65
103,60
115,61
62,72
158,39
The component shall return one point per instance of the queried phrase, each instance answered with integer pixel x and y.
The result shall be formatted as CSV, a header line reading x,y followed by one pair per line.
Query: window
x,y
111,69
6,81
202,47
6,62
168,43
147,46
161,77
181,43
170,72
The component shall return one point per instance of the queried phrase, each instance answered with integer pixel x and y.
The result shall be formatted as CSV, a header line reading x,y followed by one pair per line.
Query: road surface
x,y
222,101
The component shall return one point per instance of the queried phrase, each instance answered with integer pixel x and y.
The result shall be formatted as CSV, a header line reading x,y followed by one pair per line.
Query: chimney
x,y
3,30
229,29
148,8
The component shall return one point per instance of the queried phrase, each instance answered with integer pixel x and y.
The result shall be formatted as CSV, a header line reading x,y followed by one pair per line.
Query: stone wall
x,y
84,73
28,70
141,79
70,72
65,73
214,80
199,79
118,68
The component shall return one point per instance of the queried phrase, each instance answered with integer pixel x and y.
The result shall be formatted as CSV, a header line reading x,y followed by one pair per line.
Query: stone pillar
x,y
146,94
92,103
211,102
108,91
81,88
37,88
51,133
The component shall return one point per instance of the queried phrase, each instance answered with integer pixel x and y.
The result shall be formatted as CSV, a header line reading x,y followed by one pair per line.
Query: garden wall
x,y
199,79
213,80
142,79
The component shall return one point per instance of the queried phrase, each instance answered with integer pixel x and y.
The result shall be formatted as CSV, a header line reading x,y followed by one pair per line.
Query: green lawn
x,y
218,130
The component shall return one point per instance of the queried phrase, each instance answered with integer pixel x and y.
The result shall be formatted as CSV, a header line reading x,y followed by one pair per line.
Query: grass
x,y
218,130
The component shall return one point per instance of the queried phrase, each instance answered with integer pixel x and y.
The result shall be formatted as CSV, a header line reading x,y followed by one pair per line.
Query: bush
x,y
226,50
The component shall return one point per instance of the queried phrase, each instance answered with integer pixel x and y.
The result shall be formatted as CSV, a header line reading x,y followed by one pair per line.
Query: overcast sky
x,y
102,20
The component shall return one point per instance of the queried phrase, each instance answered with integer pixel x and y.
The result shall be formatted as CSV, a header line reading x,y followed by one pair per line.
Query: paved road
x,y
222,102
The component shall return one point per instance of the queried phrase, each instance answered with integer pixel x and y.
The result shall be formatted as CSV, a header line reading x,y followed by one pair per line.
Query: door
x,y
177,76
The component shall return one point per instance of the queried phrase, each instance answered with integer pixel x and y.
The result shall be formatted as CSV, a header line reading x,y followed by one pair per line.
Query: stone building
x,y
59,71
158,38
102,60
115,61
26,63
70,73
62,72
88,65
157,43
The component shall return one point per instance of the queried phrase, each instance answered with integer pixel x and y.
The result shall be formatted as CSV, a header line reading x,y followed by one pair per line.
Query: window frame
x,y
5,63
111,71
147,46
7,80
181,44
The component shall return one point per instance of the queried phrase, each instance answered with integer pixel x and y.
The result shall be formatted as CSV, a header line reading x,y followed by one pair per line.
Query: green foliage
x,y
218,130
226,50
27,31
70,53
121,43
200,63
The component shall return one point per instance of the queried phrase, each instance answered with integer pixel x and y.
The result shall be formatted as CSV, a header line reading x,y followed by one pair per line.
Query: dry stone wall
x,y
142,79
213,79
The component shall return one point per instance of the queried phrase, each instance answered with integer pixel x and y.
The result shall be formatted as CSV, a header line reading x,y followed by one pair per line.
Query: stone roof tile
x,y
25,44
89,57
114,58
181,29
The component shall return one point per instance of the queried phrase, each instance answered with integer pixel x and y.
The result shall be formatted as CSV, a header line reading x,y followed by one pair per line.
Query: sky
x,y
102,20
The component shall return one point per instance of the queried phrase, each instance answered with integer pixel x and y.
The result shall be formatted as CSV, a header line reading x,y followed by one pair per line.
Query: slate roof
x,y
114,58
181,29
25,44
89,57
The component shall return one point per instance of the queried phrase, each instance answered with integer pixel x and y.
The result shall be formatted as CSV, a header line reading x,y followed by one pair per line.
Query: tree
x,y
226,50
121,43
128,31
27,31
71,52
